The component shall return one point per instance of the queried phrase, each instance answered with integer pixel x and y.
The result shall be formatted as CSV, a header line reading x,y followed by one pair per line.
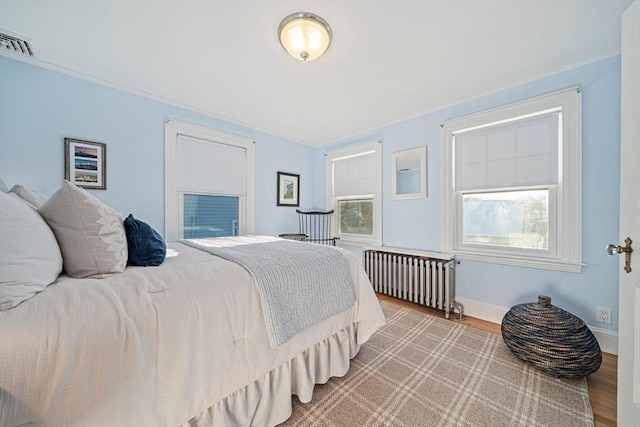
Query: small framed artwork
x,y
85,163
288,189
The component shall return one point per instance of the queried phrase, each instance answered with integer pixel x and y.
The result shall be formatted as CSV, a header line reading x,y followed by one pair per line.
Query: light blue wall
x,y
40,107
416,223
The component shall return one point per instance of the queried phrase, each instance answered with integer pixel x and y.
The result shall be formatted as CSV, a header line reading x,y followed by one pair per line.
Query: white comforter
x,y
158,346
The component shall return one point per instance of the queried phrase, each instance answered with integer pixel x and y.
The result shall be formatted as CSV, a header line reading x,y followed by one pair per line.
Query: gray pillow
x,y
30,257
32,197
3,187
90,234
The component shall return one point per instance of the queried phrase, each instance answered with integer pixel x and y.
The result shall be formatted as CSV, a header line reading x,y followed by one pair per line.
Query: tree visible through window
x,y
356,216
517,219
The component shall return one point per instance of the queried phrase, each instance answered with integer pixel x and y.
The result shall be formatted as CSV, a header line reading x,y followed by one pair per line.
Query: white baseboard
x,y
481,310
608,340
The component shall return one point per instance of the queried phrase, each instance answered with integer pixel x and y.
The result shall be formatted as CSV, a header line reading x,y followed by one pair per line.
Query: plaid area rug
x,y
420,370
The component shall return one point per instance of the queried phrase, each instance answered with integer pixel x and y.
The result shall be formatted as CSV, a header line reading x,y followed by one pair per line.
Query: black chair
x,y
316,226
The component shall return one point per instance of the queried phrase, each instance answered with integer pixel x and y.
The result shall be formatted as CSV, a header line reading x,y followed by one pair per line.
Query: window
x,y
209,183
353,192
512,184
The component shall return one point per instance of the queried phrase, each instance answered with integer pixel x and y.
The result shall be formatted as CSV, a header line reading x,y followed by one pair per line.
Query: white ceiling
x,y
389,60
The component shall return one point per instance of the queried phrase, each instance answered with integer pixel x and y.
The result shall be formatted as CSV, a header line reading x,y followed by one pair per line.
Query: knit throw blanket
x,y
299,284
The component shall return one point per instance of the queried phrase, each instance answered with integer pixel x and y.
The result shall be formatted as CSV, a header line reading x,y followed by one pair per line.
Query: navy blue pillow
x,y
146,245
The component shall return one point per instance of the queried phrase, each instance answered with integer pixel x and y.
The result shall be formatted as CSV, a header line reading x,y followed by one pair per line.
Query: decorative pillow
x,y
33,197
91,234
30,257
146,245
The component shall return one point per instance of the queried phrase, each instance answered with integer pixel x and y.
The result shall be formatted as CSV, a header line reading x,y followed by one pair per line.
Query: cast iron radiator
x,y
417,278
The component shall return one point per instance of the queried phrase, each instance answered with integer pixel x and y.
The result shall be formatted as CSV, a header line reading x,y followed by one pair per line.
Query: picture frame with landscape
x,y
288,189
85,163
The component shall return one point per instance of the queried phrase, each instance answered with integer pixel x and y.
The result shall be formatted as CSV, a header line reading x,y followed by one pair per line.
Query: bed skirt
x,y
267,401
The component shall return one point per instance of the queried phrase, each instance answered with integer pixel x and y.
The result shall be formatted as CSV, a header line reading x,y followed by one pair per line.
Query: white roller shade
x,y
518,153
354,175
209,167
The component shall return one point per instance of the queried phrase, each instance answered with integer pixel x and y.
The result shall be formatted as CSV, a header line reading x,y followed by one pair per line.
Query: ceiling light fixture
x,y
304,35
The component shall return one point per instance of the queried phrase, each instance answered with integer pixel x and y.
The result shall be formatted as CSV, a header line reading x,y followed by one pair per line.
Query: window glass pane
x,y
514,219
210,216
356,216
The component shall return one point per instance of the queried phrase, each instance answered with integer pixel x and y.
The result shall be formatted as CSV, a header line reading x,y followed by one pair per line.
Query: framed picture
x,y
288,189
85,163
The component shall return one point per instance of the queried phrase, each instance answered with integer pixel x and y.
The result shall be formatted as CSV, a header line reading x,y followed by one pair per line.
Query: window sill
x,y
345,241
528,262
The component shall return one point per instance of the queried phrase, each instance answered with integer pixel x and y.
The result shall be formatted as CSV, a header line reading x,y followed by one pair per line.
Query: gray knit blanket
x,y
299,283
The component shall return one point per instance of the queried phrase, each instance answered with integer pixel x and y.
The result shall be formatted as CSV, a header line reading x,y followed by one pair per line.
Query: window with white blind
x,y
209,183
512,184
354,193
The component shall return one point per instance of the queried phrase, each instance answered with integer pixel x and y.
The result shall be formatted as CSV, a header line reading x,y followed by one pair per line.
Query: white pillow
x,y
32,197
30,257
90,234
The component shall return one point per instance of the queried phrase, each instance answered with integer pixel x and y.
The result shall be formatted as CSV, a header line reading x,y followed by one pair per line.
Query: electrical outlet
x,y
603,315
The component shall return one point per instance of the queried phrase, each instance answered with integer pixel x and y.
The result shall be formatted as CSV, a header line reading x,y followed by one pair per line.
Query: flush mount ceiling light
x,y
304,35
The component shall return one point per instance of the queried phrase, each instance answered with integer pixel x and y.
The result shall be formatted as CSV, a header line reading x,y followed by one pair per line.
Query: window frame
x,y
332,201
174,198
565,208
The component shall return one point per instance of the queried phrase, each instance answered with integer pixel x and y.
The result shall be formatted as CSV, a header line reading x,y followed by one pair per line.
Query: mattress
x,y
184,343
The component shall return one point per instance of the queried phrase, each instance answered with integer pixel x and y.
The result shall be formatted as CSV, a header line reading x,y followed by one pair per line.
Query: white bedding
x,y
298,285
182,343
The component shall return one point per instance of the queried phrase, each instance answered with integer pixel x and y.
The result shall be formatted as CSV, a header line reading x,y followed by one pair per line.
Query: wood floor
x,y
602,384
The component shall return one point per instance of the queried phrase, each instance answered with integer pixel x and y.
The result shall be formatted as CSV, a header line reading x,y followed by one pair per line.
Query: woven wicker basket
x,y
551,339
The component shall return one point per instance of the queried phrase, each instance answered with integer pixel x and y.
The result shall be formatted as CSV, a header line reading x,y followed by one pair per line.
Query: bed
x,y
181,344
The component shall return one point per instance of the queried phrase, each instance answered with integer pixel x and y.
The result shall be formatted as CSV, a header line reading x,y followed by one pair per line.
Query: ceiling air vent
x,y
15,43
